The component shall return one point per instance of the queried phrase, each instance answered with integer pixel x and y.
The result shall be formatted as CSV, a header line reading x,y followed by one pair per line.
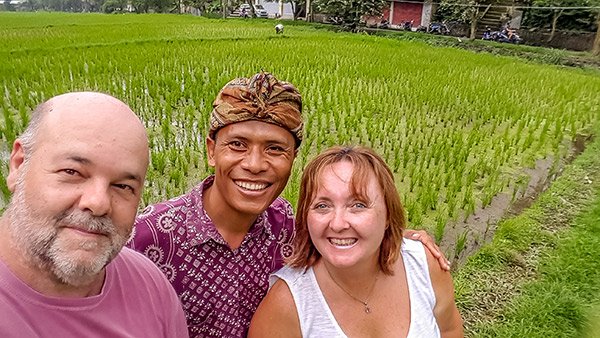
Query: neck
x,y
352,278
233,226
38,279
50,286
359,287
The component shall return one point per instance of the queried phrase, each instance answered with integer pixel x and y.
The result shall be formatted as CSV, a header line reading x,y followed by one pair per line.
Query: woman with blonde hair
x,y
352,274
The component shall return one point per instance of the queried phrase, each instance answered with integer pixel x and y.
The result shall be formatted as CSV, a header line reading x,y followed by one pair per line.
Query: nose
x,y
95,198
338,221
254,161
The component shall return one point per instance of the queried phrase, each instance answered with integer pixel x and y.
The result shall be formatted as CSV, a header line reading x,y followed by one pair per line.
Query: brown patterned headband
x,y
260,98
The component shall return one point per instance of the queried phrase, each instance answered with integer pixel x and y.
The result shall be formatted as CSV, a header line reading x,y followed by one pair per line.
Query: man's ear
x,y
15,164
210,151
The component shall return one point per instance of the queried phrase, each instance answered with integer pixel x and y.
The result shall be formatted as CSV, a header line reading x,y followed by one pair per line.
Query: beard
x,y
67,261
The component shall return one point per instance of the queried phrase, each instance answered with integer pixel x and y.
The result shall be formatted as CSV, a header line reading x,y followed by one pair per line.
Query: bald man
x,y
76,175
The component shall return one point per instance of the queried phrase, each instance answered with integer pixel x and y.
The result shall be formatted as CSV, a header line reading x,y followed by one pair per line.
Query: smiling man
x,y
219,243
76,175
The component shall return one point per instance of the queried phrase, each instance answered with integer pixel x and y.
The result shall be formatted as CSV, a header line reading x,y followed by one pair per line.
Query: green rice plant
x,y
159,162
460,244
9,130
440,226
469,209
3,185
451,203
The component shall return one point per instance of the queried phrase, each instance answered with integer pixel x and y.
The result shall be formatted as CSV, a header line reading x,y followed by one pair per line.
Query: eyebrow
x,y
247,138
85,161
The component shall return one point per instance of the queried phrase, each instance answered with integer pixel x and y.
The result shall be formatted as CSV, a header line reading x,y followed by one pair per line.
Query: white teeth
x,y
251,186
342,241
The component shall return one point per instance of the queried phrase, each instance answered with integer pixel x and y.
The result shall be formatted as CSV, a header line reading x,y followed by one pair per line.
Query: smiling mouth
x,y
251,185
343,241
86,232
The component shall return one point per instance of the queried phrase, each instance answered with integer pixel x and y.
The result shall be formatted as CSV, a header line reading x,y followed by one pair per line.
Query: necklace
x,y
365,302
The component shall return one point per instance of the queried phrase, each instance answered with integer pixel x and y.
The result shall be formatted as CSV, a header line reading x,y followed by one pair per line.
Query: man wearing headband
x,y
219,243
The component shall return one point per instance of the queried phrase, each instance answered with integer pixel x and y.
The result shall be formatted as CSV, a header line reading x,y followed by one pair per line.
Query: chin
x,y
252,207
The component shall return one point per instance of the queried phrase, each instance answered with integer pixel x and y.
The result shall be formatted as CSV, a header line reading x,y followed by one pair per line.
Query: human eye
x,y
125,187
236,145
320,206
359,205
277,149
70,172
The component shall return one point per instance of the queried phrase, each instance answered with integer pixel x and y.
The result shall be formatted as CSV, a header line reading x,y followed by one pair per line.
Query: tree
x,y
348,13
33,5
554,14
466,11
596,46
140,6
8,6
563,17
113,6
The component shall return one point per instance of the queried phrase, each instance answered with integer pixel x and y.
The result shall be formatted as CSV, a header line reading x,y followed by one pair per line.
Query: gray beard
x,y
37,236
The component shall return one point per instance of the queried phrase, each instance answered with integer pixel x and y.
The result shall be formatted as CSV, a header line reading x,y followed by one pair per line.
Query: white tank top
x,y
317,320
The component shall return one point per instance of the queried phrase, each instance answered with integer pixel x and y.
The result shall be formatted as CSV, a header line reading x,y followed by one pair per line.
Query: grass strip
x,y
540,275
557,304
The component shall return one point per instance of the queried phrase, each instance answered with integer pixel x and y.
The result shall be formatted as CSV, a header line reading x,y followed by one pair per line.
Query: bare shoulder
x,y
438,276
445,310
276,315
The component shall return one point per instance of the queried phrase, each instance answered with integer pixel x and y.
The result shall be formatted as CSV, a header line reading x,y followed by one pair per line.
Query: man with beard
x,y
218,243
76,175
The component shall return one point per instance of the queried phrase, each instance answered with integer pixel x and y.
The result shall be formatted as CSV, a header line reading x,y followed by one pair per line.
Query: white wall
x,y
273,7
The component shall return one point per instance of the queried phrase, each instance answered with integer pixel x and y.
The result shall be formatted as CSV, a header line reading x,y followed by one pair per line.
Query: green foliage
x,y
7,6
568,19
558,301
458,10
547,256
113,6
348,13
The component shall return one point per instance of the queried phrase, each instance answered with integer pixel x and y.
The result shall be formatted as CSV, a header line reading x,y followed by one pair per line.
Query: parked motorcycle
x,y
439,28
422,28
506,35
384,24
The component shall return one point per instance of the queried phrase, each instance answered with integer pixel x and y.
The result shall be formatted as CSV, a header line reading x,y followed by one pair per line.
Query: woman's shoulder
x,y
411,245
290,275
276,315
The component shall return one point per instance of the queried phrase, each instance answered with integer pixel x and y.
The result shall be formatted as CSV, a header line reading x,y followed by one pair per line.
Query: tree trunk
x,y
474,20
596,46
555,17
224,8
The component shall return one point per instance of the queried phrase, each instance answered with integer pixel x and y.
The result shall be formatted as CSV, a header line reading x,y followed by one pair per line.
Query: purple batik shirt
x,y
219,288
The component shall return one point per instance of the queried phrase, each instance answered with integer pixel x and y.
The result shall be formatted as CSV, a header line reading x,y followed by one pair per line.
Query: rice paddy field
x,y
457,128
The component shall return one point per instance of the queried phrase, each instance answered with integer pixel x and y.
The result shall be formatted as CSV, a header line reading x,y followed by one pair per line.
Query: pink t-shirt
x,y
136,301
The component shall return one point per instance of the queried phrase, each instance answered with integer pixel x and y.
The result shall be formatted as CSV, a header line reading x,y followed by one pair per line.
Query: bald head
x,y
89,110
92,120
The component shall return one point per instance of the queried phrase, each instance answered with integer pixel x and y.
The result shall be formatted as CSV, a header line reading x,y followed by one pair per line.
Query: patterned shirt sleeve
x,y
283,227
